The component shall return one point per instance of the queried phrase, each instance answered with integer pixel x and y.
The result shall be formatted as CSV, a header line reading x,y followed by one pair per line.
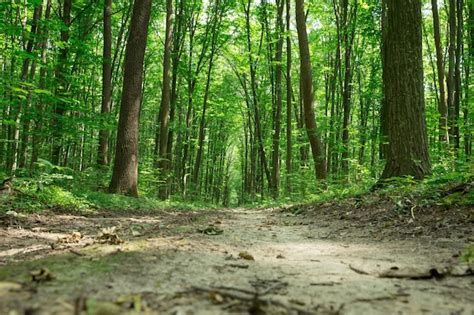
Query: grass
x,y
65,190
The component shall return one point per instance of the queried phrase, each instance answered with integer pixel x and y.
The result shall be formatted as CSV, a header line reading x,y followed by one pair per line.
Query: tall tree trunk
x,y
217,19
278,101
349,14
468,67
164,156
21,104
253,83
451,83
60,74
307,89
442,105
289,102
38,121
407,152
103,153
125,171
457,71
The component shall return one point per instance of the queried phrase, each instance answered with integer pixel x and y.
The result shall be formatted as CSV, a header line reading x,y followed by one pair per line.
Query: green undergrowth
x,y
63,190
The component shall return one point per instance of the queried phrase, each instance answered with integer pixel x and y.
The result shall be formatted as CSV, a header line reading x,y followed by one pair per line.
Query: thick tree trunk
x,y
407,152
103,153
307,89
125,171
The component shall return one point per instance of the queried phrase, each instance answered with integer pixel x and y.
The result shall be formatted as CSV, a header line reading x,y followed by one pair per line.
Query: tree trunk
x,y
164,157
348,20
457,72
407,152
289,102
125,171
451,84
38,121
307,89
60,74
253,83
103,152
17,111
442,105
278,101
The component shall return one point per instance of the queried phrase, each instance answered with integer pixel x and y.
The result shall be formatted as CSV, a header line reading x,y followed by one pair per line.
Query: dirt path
x,y
164,266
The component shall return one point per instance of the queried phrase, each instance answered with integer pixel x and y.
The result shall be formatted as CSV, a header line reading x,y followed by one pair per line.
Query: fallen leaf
x,y
41,275
246,256
109,236
73,237
211,230
216,297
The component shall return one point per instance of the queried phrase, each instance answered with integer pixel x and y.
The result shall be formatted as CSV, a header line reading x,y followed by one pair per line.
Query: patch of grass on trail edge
x,y
448,189
61,200
31,197
67,191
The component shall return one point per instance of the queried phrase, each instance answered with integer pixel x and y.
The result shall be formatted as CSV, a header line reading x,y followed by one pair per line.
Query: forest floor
x,y
351,257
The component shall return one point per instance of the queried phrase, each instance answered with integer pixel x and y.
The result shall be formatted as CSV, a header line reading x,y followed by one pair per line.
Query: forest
x,y
247,155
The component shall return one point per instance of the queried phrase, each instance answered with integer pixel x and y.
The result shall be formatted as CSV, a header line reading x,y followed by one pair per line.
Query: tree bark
x,y
164,157
278,101
442,105
125,171
289,102
38,121
60,74
307,89
407,152
457,72
103,152
451,83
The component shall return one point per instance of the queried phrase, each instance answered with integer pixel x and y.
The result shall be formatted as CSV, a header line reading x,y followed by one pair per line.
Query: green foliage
x,y
468,254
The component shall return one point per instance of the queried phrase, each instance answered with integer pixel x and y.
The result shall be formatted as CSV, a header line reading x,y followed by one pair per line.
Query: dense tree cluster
x,y
236,99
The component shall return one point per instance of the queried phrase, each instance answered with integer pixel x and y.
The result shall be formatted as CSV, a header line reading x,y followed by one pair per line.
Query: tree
x,y
407,151
278,101
61,81
102,158
164,158
125,170
289,100
442,105
307,91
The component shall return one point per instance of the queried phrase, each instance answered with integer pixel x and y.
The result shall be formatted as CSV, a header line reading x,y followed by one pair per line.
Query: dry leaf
x,y
73,237
246,256
41,275
109,236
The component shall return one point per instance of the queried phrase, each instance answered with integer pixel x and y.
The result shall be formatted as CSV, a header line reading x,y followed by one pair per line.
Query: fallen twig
x,y
357,270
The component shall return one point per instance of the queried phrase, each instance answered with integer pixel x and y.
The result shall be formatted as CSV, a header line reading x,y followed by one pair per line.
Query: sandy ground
x,y
264,262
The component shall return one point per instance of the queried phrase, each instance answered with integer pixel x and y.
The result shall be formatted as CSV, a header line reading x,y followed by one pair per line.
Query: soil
x,y
335,258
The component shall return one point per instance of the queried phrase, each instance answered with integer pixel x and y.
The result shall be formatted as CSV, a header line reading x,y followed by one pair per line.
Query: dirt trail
x,y
299,267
